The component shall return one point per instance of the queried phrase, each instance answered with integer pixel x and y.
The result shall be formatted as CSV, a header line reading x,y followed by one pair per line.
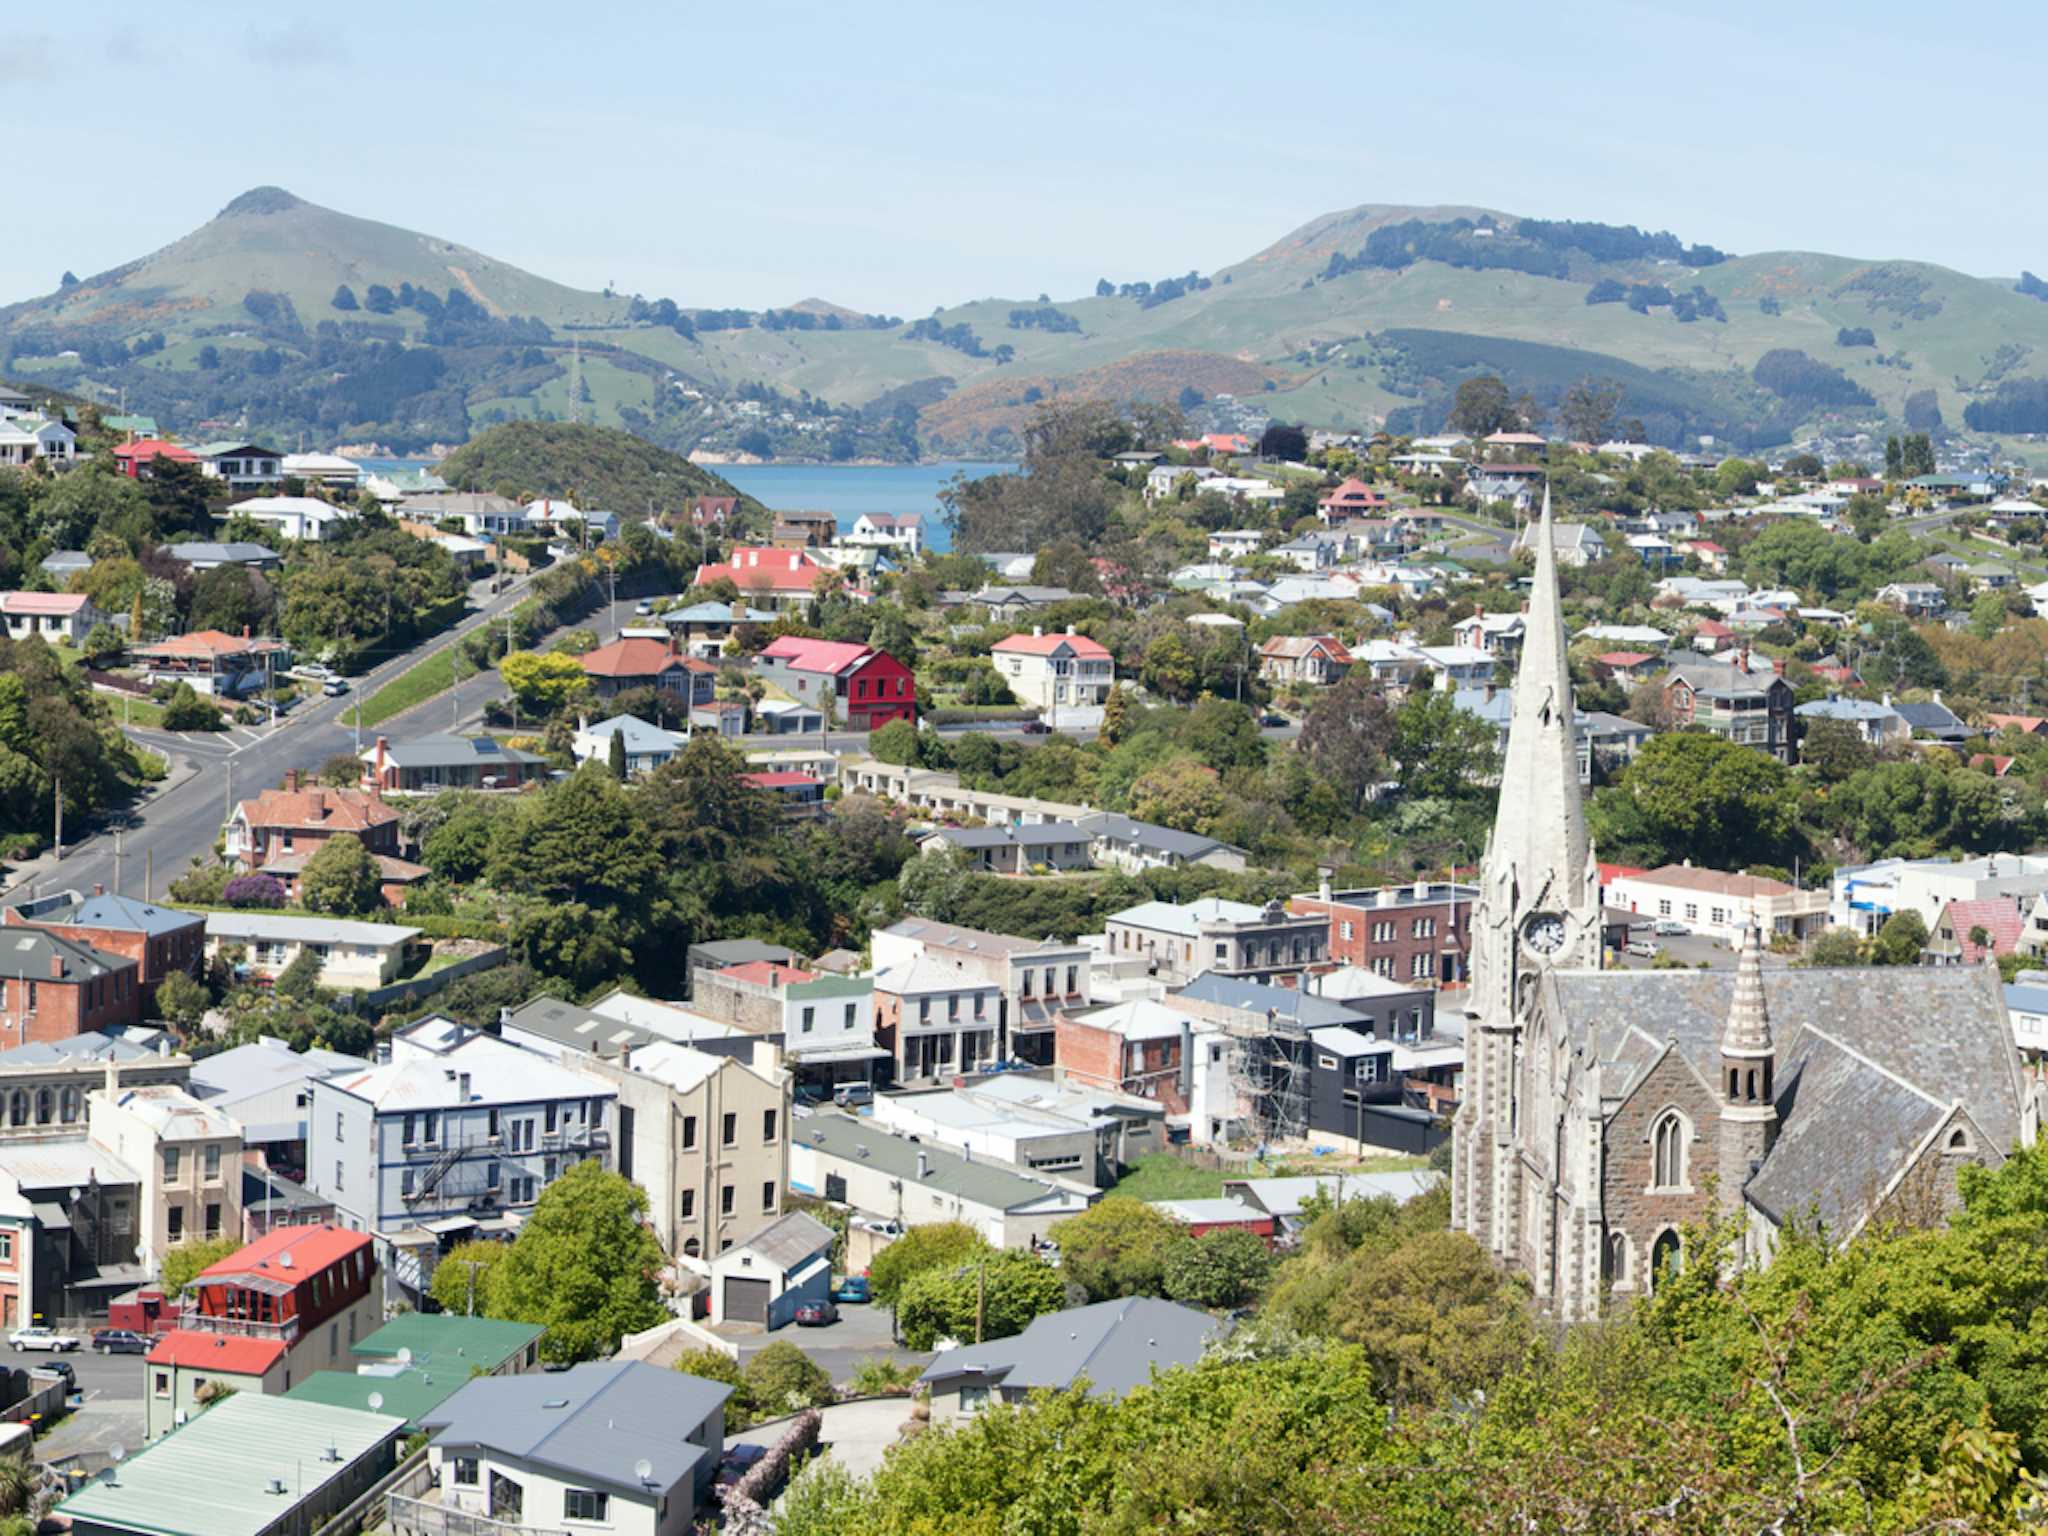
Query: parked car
x,y
314,670
62,1370
334,687
119,1341
642,610
1671,926
848,1095
1642,948
1036,728
853,1290
816,1314
36,1336
1273,717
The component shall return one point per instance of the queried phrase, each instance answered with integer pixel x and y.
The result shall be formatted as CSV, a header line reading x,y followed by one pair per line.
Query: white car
x,y
36,1336
315,671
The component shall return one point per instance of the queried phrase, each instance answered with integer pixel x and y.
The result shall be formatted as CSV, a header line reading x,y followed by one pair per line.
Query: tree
x,y
254,890
1284,442
182,1262
1836,947
185,710
1223,734
300,980
1482,407
1900,941
931,1245
542,681
1116,716
584,1265
1223,1268
783,1379
344,298
936,884
1835,750
897,742
181,1002
1588,410
1689,794
1347,736
1117,1247
1441,751
1001,1292
462,1278
230,598
1180,793
615,756
342,878
102,645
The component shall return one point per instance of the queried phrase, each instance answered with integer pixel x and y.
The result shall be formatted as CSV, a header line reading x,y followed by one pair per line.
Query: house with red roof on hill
x,y
639,661
265,1318
870,687
1629,666
1227,443
1317,659
1354,498
1051,671
138,460
1971,932
801,796
64,618
785,580
279,831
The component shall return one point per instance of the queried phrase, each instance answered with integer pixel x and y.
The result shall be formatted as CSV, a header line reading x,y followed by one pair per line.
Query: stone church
x,y
1604,1111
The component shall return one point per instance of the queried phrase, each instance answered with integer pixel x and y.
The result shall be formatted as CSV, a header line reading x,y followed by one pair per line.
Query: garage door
x,y
746,1301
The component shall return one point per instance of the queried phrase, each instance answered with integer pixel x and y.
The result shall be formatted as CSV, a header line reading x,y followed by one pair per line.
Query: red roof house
x,y
871,687
782,578
642,662
1354,498
1999,918
138,460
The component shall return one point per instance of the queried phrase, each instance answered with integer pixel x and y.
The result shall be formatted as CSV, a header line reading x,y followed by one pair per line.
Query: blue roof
x,y
1257,997
125,912
2025,997
1845,709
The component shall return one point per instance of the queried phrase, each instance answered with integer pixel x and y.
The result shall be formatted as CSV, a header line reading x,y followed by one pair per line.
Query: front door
x,y
508,1499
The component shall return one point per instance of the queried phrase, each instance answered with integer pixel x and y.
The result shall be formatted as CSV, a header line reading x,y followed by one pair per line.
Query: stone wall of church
x,y
1628,1201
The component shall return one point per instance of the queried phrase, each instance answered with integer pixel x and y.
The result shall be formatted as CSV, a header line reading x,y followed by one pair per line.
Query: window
x,y
6,1247
728,1129
850,1015
491,1175
809,1015
1420,967
973,1399
1383,965
725,1200
1423,928
548,1124
689,1132
768,1195
953,1006
405,1135
689,1211
465,1471
162,1386
337,1174
1073,980
213,1219
768,1124
337,1125
585,1504
1344,928
1663,909
924,1010
176,1214
1717,914
1692,910
1668,1143
212,1165
405,1183
1030,981
172,1157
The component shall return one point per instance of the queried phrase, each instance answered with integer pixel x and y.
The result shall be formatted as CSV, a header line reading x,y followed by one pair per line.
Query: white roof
x,y
319,464
671,1021
498,1074
1204,1211
1285,1197
174,1114
306,930
1349,981
682,1067
1187,920
1141,1019
290,506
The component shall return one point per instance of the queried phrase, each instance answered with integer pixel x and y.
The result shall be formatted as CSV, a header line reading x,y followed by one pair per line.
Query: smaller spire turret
x,y
1746,1036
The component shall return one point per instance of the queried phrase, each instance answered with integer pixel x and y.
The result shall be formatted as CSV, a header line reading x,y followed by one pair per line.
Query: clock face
x,y
1543,932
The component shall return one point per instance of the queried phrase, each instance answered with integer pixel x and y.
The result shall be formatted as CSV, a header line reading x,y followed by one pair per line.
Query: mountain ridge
x,y
284,316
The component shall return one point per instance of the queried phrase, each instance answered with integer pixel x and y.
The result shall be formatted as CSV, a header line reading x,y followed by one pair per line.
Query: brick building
x,y
1420,933
52,988
158,939
280,830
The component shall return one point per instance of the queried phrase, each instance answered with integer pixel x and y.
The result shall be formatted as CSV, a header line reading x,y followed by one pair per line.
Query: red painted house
x,y
293,1302
872,687
138,461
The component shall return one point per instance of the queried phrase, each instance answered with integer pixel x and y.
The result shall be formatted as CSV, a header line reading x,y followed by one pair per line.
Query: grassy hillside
x,y
1309,325
595,467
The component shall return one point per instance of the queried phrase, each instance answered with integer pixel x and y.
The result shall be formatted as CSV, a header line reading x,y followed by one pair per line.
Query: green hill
x,y
1362,317
596,467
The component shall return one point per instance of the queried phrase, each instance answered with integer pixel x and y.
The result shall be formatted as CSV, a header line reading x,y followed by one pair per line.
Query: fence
x,y
40,1401
413,1517
426,986
410,1477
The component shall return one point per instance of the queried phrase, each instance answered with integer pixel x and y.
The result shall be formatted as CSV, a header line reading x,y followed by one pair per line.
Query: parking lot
x,y
107,1410
1689,949
862,1333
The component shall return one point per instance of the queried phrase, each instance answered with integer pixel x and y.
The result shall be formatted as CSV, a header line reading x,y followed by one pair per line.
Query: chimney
x,y
291,780
1323,875
1186,1076
245,631
1038,631
1070,629
377,766
56,967
924,1164
319,803
98,889
739,610
1777,666
767,1057
113,1079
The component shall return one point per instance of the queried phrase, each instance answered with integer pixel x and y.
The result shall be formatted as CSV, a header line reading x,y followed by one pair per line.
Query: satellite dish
x,y
116,1451
644,1470
405,1354
376,1401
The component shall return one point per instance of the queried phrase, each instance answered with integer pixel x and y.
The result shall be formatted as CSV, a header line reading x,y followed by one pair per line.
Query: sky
x,y
900,157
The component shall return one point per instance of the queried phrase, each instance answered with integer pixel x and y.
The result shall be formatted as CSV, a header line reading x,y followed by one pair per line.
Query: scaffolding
x,y
1269,1075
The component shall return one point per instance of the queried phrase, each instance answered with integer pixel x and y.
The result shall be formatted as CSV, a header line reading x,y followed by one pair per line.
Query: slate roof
x,y
1040,834
444,750
576,1028
1858,1088
788,1241
947,1173
593,1422
122,913
1115,1344
1111,827
1934,718
1310,1011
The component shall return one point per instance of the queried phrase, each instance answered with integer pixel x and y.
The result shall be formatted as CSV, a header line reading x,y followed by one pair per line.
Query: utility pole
x,y
117,861
60,816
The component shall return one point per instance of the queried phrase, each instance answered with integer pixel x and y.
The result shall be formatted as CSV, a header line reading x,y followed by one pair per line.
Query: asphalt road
x,y
166,831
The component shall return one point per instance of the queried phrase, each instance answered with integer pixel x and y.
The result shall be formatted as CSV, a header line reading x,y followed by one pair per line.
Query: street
x,y
161,836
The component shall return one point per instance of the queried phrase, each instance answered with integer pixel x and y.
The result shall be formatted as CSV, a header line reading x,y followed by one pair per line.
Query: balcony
x,y
239,1327
430,1517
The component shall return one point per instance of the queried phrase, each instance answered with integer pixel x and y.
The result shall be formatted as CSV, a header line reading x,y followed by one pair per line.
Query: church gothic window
x,y
1666,1256
1668,1149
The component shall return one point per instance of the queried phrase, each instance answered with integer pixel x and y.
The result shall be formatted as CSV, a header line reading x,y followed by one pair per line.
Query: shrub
x,y
883,1378
782,1379
256,890
185,710
202,885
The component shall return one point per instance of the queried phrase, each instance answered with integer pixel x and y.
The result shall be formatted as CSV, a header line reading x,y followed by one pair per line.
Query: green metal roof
x,y
410,1393
443,1338
212,1477
145,424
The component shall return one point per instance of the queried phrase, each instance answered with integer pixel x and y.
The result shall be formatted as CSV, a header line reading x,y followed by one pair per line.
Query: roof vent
x,y
556,1402
860,1151
277,1485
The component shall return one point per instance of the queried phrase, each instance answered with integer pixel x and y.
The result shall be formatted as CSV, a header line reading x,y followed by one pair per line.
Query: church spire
x,y
1540,825
1746,1034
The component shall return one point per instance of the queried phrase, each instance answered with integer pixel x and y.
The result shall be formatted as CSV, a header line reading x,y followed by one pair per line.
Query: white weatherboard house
x,y
1054,670
352,954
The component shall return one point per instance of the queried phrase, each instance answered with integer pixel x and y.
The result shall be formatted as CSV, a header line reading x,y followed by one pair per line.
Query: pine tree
x,y
1116,715
135,620
617,756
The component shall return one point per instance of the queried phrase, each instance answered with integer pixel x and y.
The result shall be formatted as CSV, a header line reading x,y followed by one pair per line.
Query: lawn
x,y
1162,1176
415,685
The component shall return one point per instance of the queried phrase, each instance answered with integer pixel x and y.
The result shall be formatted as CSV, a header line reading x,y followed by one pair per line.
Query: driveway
x,y
108,1409
856,1435
1693,950
862,1333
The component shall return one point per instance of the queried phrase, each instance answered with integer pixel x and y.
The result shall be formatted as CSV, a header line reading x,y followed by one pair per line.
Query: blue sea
x,y
844,490
848,490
